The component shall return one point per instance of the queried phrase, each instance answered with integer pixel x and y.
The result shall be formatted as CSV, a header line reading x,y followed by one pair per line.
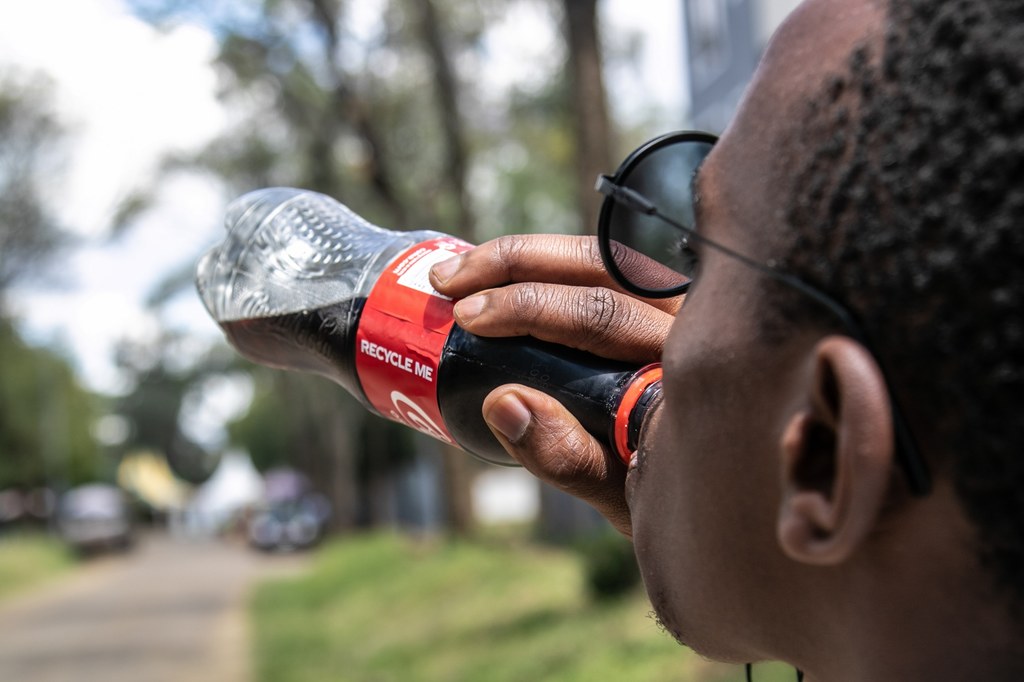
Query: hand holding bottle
x,y
302,283
555,288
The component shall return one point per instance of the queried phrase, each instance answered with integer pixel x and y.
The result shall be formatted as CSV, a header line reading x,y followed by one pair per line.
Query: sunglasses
x,y
646,233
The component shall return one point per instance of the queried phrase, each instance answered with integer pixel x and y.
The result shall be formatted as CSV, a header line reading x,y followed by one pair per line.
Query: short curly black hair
x,y
909,207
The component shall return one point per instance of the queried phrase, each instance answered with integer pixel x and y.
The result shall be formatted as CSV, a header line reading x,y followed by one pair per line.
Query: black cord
x,y
750,673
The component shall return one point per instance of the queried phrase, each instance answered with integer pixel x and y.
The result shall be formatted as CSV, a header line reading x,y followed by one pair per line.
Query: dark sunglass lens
x,y
648,249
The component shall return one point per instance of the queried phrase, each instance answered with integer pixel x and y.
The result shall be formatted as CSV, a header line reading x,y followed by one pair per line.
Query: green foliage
x,y
294,420
29,137
153,409
387,608
162,385
291,418
263,430
355,114
610,565
27,560
530,157
45,418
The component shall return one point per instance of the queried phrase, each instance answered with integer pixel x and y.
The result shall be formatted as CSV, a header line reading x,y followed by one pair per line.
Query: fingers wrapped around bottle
x,y
554,288
552,445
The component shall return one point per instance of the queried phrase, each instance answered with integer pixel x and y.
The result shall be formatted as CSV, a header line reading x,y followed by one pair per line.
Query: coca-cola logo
x,y
411,414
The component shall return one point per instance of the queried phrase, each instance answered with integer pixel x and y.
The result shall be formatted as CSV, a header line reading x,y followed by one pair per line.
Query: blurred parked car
x,y
285,526
95,517
291,516
26,508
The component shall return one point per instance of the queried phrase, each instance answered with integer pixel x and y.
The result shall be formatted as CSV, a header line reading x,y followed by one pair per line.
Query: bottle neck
x,y
639,396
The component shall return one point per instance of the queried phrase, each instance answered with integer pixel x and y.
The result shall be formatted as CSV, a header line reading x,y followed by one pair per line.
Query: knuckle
x,y
524,301
601,312
586,251
508,251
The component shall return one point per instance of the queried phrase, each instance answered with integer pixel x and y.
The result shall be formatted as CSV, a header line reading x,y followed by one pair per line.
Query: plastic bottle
x,y
303,283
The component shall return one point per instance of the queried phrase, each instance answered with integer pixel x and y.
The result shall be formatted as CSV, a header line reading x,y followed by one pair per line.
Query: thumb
x,y
540,434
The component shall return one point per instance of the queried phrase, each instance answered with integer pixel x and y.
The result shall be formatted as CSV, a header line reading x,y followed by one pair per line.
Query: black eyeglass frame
x,y
908,456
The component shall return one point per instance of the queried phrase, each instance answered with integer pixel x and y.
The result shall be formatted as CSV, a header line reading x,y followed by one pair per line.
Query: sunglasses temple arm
x,y
625,196
638,202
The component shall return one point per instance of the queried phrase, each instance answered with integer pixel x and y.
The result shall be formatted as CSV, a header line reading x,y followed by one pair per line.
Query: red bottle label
x,y
401,334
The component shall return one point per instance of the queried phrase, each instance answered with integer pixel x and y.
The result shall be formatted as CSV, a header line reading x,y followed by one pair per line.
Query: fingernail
x,y
444,270
509,416
468,309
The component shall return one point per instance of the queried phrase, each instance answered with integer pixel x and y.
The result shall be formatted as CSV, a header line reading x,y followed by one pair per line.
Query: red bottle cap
x,y
643,379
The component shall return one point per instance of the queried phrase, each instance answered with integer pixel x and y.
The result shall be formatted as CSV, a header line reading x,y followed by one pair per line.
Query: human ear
x,y
837,456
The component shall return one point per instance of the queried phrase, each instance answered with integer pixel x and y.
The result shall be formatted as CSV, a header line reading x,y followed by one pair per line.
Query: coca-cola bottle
x,y
303,283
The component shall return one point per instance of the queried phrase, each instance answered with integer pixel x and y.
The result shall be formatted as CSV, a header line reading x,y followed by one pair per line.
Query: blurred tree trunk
x,y
331,423
593,129
565,518
347,105
456,489
456,469
447,94
318,422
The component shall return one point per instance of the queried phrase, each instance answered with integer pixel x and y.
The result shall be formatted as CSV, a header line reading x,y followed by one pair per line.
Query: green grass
x,y
383,608
29,559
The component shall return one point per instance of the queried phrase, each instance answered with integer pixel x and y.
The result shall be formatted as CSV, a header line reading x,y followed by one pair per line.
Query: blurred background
x,y
170,511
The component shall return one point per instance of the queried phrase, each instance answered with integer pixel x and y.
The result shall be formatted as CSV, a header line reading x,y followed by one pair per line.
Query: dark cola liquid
x,y
323,341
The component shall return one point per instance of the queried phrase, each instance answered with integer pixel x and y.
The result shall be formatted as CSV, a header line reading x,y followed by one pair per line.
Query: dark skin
x,y
555,288
767,513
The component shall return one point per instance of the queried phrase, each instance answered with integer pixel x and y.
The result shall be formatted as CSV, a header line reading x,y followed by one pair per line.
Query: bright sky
x,y
130,94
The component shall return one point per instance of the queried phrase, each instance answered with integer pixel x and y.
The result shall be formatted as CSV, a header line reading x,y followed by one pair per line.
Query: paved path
x,y
170,611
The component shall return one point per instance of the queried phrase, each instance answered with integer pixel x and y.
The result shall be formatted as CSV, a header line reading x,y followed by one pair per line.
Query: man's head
x,y
768,503
910,208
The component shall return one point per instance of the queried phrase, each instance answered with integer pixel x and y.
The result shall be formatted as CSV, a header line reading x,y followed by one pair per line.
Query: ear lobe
x,y
837,456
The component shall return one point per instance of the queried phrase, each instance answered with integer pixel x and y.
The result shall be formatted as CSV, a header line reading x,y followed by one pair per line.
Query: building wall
x,y
725,39
768,15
